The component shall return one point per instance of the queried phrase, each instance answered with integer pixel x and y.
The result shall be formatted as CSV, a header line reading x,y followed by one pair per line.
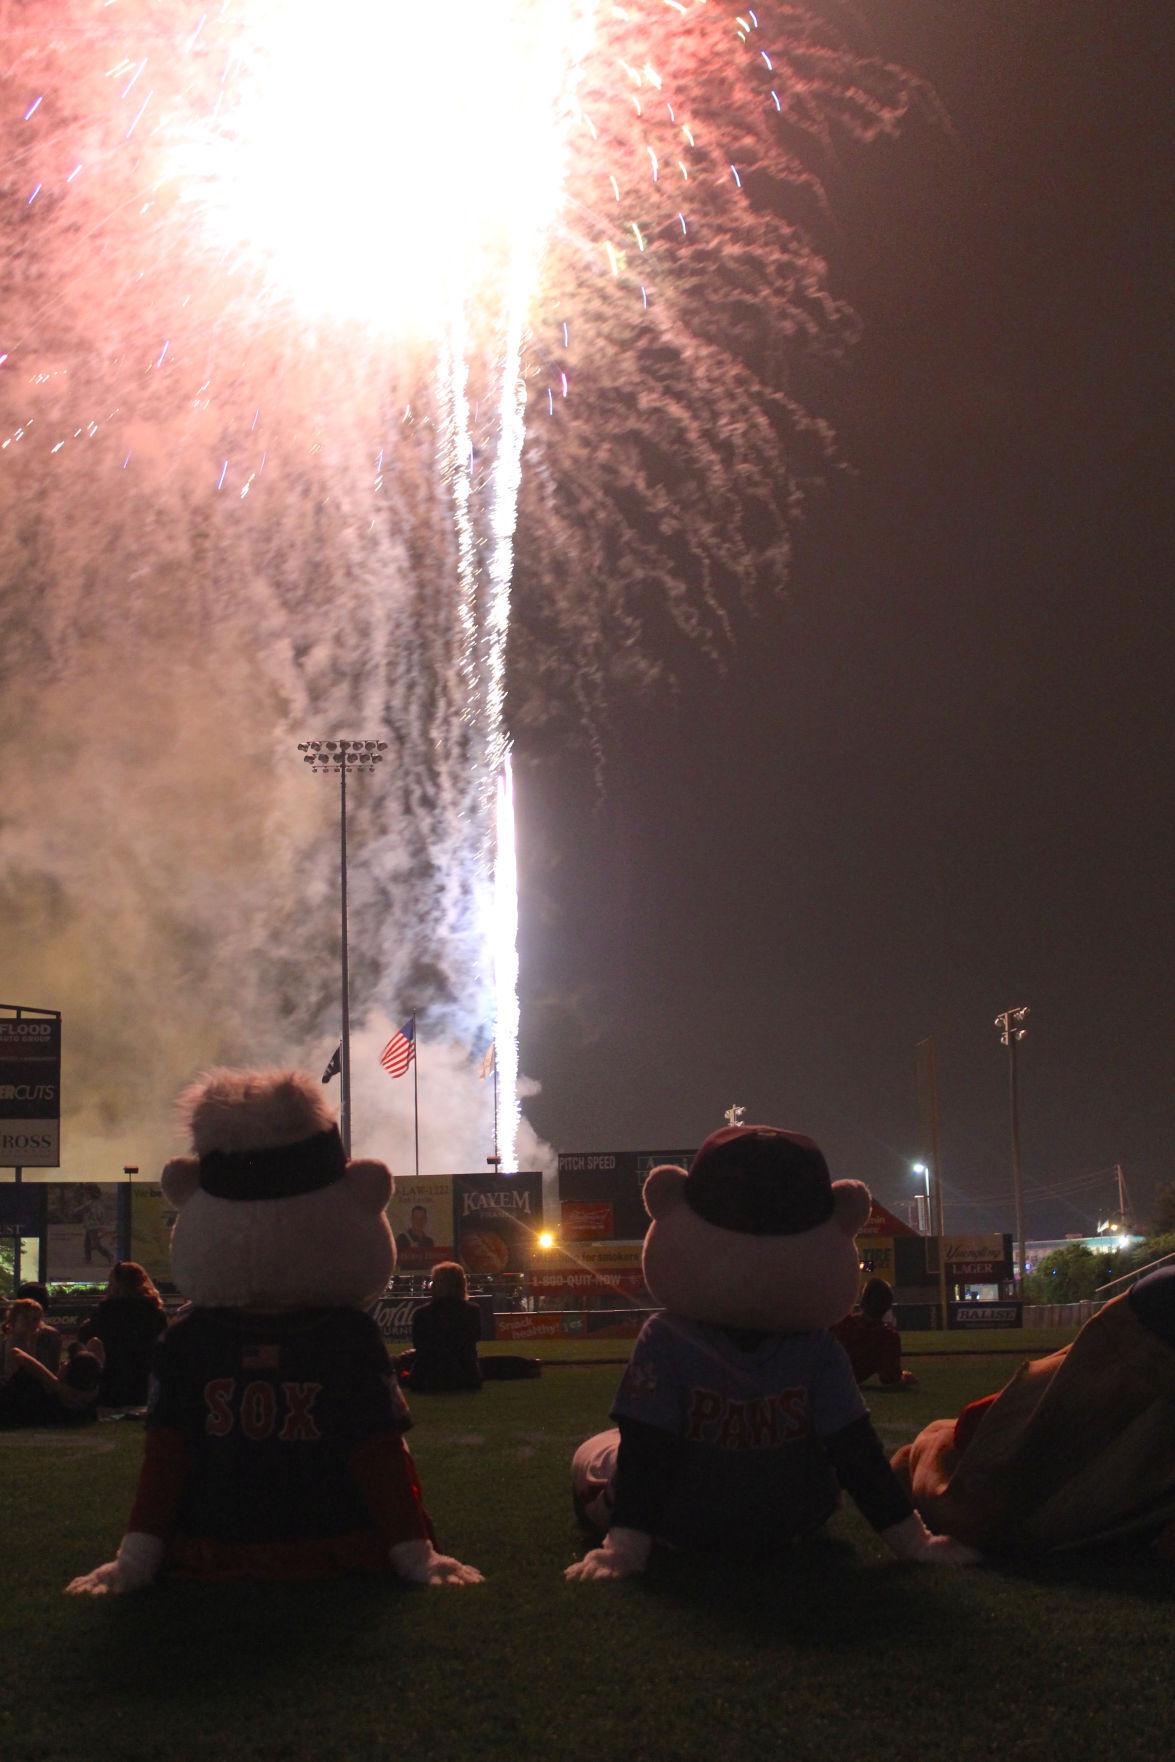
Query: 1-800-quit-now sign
x,y
30,1092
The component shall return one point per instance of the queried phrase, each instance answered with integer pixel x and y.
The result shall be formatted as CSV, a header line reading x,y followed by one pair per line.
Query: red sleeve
x,y
386,1477
968,1421
161,1482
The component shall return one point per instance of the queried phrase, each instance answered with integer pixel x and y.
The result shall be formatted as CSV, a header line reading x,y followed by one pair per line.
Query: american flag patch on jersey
x,y
638,1380
261,1355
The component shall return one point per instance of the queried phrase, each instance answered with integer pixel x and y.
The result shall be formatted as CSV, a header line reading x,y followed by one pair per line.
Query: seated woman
x,y
30,1393
871,1339
127,1323
445,1333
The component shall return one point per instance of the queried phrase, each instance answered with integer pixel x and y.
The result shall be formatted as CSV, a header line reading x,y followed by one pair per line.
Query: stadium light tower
x,y
922,1200
343,758
1010,1022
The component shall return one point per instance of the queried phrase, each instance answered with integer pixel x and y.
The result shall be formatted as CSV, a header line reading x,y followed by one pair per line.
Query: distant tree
x,y
1068,1275
1150,1248
1163,1221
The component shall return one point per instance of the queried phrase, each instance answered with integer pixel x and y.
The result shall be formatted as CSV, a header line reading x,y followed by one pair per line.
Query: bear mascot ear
x,y
371,1183
663,1190
851,1205
180,1179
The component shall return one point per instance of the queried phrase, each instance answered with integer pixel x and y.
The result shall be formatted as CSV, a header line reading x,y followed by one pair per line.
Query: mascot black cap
x,y
760,1181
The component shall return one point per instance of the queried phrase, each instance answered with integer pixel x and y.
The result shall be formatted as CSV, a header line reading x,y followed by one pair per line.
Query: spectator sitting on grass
x,y
870,1337
127,1323
31,1395
445,1333
47,1344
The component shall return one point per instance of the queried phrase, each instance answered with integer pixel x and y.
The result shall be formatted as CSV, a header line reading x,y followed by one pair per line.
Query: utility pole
x,y
1010,1022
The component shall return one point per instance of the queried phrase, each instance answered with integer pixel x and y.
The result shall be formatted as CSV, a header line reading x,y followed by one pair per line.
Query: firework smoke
x,y
261,453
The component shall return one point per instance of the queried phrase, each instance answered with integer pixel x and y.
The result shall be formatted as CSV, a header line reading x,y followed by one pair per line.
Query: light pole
x,y
920,1168
1010,1022
343,758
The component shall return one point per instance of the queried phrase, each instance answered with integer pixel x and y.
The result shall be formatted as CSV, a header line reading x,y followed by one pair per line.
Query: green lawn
x,y
831,1655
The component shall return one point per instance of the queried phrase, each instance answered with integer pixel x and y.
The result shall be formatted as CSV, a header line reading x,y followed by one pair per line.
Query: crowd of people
x,y
101,1374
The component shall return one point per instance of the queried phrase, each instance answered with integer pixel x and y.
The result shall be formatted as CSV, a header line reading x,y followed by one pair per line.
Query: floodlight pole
x,y
1010,1022
343,756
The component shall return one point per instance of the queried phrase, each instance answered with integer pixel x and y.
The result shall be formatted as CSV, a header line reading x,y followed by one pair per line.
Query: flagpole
x,y
345,1042
416,1091
497,1158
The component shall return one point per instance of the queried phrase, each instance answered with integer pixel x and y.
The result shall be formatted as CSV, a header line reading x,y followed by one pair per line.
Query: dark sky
x,y
937,783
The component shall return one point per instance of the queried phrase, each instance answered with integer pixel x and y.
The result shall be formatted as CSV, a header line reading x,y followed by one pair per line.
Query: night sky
x,y
936,783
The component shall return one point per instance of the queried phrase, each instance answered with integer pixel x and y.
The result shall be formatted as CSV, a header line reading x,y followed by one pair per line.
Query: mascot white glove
x,y
623,1553
911,1540
138,1559
420,1564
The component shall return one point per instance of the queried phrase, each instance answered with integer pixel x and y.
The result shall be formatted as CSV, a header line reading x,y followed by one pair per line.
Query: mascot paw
x,y
418,1563
624,1553
104,1581
138,1559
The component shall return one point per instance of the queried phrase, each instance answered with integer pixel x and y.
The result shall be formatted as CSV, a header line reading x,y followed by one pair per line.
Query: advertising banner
x,y
615,1177
421,1216
987,1257
152,1216
577,1282
22,1209
583,1220
496,1219
30,1092
81,1230
393,1316
984,1315
600,1324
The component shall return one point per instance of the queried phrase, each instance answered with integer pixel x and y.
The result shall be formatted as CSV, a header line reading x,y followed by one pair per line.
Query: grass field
x,y
836,1653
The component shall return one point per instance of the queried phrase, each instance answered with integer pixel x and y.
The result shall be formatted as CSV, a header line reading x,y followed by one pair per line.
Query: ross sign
x,y
30,1091
496,1219
984,1315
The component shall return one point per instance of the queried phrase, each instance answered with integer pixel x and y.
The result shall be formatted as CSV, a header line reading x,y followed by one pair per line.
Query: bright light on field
x,y
546,1240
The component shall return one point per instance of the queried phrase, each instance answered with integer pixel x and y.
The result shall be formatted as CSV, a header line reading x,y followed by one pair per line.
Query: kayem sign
x,y
30,1092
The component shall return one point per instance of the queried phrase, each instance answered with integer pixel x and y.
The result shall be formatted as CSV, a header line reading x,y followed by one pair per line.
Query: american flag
x,y
400,1050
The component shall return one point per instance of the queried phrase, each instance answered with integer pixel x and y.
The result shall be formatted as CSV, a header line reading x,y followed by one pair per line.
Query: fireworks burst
x,y
304,310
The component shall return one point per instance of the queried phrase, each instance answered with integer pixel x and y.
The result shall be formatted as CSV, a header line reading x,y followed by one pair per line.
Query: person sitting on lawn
x,y
1078,1448
126,1324
445,1333
47,1345
739,1420
870,1337
30,1393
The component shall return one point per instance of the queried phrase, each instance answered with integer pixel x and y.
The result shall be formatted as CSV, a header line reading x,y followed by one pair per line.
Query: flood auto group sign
x,y
30,1091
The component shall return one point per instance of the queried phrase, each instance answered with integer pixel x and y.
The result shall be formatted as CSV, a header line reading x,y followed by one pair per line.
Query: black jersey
x,y
271,1409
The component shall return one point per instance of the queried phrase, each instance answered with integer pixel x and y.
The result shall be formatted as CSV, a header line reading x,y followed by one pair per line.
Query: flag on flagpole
x,y
400,1050
335,1065
487,1063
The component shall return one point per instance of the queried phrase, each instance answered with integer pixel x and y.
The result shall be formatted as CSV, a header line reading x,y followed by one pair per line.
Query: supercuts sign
x,y
30,1091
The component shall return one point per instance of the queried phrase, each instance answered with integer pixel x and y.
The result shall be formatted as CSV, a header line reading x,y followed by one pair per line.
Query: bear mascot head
x,y
275,1430
738,1418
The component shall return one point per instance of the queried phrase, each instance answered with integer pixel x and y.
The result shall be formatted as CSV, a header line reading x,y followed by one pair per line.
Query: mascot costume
x,y
1078,1448
739,1418
274,1445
